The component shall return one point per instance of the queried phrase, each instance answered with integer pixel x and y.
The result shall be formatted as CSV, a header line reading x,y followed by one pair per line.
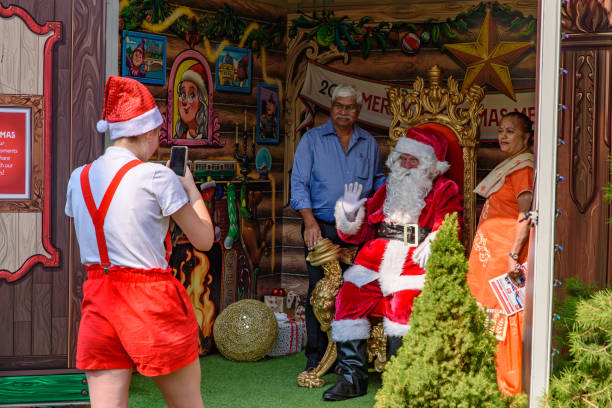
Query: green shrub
x,y
447,356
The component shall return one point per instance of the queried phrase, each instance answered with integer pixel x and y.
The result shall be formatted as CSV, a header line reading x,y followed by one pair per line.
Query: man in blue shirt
x,y
327,158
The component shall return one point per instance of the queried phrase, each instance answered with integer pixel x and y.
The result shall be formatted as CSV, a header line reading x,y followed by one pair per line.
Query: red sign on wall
x,y
15,157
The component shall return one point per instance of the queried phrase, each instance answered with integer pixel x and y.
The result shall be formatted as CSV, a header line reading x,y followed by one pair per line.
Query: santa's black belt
x,y
405,233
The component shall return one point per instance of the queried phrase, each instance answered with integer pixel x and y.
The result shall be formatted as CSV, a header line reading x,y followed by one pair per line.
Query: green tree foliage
x,y
588,381
574,290
447,357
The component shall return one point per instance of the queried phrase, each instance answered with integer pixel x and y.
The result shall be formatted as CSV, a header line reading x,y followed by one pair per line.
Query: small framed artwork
x,y
143,57
268,113
189,118
233,70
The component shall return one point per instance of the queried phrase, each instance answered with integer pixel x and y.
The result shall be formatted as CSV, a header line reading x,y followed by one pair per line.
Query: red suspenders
x,y
98,214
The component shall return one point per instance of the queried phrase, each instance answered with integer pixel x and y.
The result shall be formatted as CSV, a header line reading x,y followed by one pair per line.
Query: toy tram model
x,y
215,169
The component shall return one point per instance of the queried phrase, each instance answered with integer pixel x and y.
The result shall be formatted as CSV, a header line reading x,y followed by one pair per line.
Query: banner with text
x,y
14,153
321,80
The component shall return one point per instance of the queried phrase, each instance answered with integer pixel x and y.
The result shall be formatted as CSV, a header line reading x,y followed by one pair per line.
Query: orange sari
x,y
489,259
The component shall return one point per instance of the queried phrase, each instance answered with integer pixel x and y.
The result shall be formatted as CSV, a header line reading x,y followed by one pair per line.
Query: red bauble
x,y
411,43
275,292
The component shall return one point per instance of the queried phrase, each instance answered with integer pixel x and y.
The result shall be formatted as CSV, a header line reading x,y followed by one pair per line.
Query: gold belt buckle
x,y
415,241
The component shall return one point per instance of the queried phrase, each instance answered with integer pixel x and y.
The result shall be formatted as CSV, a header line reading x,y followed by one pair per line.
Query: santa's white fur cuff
x,y
347,329
343,224
359,275
394,329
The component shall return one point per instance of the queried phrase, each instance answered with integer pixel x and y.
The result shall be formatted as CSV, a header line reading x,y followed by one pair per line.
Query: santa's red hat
x,y
425,144
195,74
129,109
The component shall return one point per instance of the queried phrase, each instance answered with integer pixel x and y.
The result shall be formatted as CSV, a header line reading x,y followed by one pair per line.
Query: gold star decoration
x,y
487,60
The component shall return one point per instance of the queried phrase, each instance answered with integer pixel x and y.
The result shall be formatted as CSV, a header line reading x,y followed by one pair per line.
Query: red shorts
x,y
132,317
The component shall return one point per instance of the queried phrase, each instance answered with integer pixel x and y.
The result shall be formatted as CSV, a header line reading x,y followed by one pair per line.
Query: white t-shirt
x,y
138,216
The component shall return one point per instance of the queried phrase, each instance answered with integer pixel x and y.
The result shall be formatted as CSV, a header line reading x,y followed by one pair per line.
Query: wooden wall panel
x,y
62,167
23,332
37,324
23,299
86,100
41,321
59,331
584,126
9,223
10,72
6,320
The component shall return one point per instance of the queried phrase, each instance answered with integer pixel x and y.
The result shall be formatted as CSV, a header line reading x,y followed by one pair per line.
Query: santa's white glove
x,y
421,253
351,201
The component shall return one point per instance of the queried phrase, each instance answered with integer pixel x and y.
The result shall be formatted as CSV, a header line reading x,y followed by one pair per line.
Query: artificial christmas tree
x,y
447,356
588,382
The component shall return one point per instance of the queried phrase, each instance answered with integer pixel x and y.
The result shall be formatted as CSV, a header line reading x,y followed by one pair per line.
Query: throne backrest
x,y
454,113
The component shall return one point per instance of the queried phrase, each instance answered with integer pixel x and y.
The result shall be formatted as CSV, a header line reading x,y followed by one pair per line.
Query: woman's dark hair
x,y
526,123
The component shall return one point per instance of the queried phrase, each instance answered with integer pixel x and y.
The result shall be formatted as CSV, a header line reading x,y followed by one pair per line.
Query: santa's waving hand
x,y
351,200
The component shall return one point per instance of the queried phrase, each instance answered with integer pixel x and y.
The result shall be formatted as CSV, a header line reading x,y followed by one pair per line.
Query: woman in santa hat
x,y
134,312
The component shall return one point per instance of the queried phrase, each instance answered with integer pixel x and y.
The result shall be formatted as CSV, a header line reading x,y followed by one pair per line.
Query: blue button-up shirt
x,y
322,167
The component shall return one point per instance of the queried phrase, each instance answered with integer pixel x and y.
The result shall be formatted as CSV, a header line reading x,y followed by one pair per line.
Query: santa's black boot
x,y
393,344
353,382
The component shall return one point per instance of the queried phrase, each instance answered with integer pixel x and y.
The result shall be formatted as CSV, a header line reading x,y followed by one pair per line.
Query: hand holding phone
x,y
178,159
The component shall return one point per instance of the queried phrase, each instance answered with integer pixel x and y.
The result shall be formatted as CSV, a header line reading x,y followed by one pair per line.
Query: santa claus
x,y
396,227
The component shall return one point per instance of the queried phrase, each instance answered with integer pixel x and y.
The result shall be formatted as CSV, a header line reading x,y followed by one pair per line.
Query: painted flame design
x,y
199,292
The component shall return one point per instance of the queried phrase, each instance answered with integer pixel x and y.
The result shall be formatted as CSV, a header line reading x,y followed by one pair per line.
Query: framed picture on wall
x,y
143,57
233,70
268,113
189,118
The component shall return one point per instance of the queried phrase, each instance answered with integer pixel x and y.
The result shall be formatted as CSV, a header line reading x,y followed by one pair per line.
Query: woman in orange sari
x,y
500,244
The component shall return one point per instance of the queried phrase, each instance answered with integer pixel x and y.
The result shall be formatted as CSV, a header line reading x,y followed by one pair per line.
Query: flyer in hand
x,y
509,292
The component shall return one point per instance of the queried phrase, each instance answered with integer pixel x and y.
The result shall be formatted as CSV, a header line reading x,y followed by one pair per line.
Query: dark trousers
x,y
316,339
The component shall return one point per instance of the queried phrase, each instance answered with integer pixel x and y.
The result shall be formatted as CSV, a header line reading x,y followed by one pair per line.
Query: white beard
x,y
407,189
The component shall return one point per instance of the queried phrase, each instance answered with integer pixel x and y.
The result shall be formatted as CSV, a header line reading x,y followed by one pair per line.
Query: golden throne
x,y
454,113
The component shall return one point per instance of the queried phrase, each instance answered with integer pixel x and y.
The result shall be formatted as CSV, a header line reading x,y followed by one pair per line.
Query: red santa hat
x,y
196,75
129,109
425,144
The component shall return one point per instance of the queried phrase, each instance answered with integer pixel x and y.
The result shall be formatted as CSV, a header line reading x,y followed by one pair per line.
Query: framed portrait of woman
x,y
268,113
189,118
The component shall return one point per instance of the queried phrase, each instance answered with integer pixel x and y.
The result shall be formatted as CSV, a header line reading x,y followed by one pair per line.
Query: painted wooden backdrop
x,y
395,66
39,313
229,108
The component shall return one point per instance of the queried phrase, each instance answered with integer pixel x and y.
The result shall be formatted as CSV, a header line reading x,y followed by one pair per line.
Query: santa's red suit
x,y
385,280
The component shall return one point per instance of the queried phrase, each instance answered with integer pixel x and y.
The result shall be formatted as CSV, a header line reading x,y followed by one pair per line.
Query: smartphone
x,y
178,159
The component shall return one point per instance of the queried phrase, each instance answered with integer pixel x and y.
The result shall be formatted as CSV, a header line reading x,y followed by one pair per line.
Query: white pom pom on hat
x,y
102,126
129,109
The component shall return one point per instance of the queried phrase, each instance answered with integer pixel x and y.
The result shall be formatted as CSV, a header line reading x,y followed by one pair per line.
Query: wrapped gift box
x,y
277,303
291,336
291,304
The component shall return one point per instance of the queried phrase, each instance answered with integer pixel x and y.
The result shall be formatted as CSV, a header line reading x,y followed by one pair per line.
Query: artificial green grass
x,y
268,383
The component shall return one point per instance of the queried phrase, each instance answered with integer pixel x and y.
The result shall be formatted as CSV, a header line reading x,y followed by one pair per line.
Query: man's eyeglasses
x,y
348,108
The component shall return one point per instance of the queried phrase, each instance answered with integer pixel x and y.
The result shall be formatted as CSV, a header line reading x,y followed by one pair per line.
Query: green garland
x,y
225,24
328,29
